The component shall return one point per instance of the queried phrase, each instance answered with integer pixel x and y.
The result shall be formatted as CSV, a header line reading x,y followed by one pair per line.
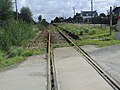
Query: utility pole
x,y
74,10
16,10
110,20
74,14
91,10
63,14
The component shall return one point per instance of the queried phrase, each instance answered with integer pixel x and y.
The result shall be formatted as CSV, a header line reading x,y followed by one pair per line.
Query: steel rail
x,y
111,81
54,72
48,64
51,73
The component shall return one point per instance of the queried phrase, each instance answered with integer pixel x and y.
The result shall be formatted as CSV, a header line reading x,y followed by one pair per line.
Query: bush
x,y
26,14
5,10
86,30
92,32
15,34
43,24
81,33
2,54
15,51
41,27
16,55
27,53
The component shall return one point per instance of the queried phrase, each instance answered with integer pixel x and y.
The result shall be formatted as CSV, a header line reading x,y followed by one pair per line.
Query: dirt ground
x,y
40,41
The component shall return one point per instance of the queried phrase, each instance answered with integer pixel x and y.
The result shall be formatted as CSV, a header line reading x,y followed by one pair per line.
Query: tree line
x,y
76,19
14,32
101,19
7,13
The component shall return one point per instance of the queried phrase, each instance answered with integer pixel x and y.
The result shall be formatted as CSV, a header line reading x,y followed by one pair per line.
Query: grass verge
x,y
11,61
17,55
91,35
99,43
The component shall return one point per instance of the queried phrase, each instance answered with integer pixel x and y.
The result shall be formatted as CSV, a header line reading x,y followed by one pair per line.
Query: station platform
x,y
28,75
73,72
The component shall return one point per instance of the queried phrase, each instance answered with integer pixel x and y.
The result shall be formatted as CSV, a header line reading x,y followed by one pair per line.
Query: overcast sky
x,y
49,9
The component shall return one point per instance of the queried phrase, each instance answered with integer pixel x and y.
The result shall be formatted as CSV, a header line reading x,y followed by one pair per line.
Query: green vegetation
x,y
85,31
42,24
20,51
99,43
12,38
5,10
91,35
16,55
26,14
7,62
15,34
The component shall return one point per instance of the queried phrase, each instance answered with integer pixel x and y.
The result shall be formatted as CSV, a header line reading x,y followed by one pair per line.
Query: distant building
x,y
61,19
116,11
87,15
77,18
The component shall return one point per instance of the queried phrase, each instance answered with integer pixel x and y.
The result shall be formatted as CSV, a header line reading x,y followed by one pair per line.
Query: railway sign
x,y
117,31
118,17
118,24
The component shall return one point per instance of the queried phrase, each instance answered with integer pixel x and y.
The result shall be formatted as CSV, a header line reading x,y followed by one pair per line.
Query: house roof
x,y
84,13
114,10
88,11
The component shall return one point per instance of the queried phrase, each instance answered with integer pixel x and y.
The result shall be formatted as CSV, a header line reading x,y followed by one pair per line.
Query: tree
x,y
44,22
69,20
61,19
52,21
40,18
6,10
14,15
26,14
56,20
102,15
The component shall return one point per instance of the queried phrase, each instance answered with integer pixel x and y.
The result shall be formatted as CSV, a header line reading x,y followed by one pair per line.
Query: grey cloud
x,y
52,8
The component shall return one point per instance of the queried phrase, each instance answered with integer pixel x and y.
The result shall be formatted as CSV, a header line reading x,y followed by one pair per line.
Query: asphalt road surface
x,y
107,57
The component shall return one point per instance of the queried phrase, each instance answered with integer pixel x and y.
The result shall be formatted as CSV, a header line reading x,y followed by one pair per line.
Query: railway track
x,y
51,65
39,41
48,63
